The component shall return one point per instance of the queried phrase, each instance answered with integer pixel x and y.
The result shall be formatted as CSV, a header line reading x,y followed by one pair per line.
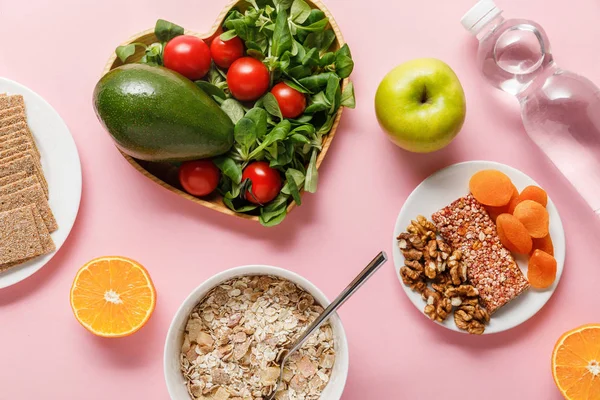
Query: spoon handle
x,y
341,299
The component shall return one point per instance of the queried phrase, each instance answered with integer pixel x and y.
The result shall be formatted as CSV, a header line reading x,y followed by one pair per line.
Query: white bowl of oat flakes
x,y
224,339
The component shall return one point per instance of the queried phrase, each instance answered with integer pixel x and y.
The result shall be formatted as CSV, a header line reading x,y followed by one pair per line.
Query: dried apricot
x,y
544,244
534,216
541,271
495,211
513,203
491,187
534,193
513,234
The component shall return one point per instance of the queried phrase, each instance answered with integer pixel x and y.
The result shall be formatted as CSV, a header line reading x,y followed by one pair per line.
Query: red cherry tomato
x,y
199,178
266,182
188,55
291,102
225,53
248,79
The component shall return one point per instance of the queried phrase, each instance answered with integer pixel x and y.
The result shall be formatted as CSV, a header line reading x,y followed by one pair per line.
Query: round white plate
x,y
62,169
447,185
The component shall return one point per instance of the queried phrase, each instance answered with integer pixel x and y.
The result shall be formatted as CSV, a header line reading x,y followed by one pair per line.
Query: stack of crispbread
x,y
26,219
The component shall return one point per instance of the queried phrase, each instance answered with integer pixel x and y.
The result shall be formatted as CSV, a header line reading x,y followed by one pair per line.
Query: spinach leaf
x,y
253,3
282,38
234,109
274,209
269,102
285,155
294,180
259,116
314,16
343,62
229,168
210,89
326,127
311,58
316,82
347,99
299,139
300,11
312,176
165,30
282,5
244,134
318,26
318,102
153,55
228,199
298,72
228,35
240,28
273,220
294,85
124,52
326,59
333,84
277,134
327,40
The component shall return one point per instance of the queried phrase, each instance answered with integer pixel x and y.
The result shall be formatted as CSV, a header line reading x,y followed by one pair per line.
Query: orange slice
x,y
576,363
112,296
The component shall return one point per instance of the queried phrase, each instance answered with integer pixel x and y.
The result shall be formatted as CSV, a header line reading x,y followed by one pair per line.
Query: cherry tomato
x,y
291,102
188,55
199,178
248,79
266,182
225,53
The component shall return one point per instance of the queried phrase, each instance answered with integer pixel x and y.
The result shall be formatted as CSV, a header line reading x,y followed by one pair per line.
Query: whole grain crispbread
x,y
23,134
18,185
24,163
11,111
20,148
7,180
19,238
12,120
31,195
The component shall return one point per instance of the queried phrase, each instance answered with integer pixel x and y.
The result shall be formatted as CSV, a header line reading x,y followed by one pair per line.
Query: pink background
x,y
59,47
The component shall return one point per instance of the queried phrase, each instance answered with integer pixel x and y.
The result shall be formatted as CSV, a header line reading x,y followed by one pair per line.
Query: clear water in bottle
x,y
560,109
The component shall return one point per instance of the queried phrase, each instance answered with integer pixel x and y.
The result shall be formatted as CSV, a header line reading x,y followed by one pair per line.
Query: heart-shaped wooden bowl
x,y
166,174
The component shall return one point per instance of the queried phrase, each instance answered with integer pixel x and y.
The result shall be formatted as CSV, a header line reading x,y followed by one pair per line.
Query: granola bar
x,y
490,267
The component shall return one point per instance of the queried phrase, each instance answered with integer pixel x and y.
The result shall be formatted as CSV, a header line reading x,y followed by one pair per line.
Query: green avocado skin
x,y
155,114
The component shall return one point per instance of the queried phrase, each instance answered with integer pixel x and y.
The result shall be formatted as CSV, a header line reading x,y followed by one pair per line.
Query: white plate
x,y
62,169
447,185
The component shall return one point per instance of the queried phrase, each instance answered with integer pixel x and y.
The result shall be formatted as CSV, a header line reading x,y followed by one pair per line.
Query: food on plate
x,y
264,182
188,55
279,73
248,79
291,102
534,193
541,271
522,224
26,219
200,177
437,272
492,270
225,52
234,335
112,296
575,363
491,188
155,114
534,217
513,234
421,105
545,244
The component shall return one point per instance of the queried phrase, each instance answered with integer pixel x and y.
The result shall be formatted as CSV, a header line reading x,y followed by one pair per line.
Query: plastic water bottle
x,y
560,109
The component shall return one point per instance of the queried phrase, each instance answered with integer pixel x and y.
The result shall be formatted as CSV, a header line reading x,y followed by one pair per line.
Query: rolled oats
x,y
234,335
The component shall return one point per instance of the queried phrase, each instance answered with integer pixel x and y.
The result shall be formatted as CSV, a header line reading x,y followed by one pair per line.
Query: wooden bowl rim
x,y
113,62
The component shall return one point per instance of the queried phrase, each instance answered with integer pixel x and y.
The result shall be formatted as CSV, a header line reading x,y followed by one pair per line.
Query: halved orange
x,y
112,296
576,363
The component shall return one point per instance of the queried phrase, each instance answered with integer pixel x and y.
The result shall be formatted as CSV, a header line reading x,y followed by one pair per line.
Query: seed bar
x,y
490,267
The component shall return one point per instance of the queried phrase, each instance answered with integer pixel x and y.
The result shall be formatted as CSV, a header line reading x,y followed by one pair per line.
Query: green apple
x,y
421,105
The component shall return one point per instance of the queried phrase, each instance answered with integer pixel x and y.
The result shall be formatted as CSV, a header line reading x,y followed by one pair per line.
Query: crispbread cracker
x,y
16,100
31,195
23,164
19,238
5,130
23,134
18,185
15,119
4,102
38,165
20,148
11,111
7,180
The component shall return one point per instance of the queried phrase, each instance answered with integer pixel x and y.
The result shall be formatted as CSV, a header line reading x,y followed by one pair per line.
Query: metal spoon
x,y
321,319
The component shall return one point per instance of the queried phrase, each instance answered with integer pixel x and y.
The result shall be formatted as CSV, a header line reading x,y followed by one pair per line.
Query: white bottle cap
x,y
478,16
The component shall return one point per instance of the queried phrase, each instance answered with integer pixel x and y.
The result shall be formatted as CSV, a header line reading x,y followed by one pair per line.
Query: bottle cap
x,y
478,16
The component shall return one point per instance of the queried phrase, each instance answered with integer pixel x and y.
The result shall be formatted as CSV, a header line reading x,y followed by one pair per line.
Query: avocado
x,y
155,114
